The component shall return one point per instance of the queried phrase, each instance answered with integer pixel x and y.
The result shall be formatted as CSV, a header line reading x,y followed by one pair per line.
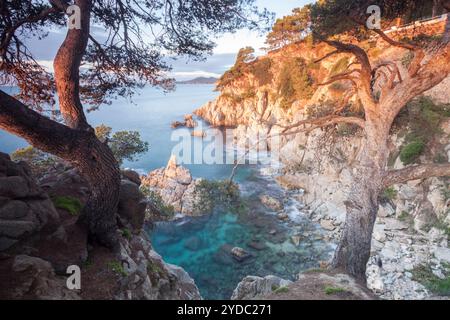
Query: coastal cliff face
x,y
412,225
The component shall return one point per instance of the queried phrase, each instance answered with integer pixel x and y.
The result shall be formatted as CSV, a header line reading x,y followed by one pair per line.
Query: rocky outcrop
x,y
39,243
251,287
188,122
319,165
175,185
25,209
313,285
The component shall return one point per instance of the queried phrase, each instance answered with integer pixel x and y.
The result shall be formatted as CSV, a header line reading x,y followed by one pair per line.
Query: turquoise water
x,y
202,245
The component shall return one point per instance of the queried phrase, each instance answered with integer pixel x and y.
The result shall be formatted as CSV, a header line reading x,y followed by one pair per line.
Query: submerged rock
x,y
240,254
271,203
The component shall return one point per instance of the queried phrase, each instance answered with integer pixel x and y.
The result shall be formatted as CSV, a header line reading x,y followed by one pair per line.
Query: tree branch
x,y
67,70
40,131
415,173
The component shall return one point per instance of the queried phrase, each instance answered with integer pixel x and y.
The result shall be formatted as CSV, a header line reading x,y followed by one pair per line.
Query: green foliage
x,y
261,70
290,29
390,194
424,275
244,57
338,17
423,119
117,268
340,66
125,145
407,59
213,194
346,129
333,290
294,82
278,290
126,233
158,203
153,268
412,151
39,162
71,205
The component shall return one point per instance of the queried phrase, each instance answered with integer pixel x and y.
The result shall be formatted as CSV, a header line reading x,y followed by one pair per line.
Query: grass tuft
x,y
71,205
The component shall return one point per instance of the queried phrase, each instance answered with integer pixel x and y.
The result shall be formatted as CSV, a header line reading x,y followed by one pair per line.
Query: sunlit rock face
x,y
175,185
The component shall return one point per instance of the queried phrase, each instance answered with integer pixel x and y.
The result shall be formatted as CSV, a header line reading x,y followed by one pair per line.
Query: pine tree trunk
x,y
354,247
101,170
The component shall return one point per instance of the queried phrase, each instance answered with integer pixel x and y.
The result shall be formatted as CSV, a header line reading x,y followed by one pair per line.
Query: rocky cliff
x,y
40,239
413,224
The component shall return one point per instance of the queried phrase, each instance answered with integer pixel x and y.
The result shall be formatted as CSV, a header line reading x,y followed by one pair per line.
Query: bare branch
x,y
327,56
38,130
415,173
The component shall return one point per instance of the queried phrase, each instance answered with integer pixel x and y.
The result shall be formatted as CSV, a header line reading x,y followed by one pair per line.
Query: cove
x,y
202,245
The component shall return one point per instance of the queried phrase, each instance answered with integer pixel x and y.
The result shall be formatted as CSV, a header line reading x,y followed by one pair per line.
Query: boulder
x,y
442,254
132,204
24,207
240,254
32,278
271,203
132,176
327,224
252,287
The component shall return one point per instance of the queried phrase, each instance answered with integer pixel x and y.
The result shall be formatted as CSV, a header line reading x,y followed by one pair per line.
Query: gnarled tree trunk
x,y
74,142
353,251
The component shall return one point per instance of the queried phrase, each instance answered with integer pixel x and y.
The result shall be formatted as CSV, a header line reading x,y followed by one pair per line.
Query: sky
x,y
215,65
229,44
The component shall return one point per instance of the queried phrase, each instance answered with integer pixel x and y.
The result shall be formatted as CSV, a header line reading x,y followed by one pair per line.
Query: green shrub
x,y
294,82
411,152
278,290
333,290
424,275
407,59
71,205
390,194
39,162
117,268
339,66
211,194
158,203
126,233
261,70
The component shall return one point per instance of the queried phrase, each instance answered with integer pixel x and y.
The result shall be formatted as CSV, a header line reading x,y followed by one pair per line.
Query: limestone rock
x,y
175,185
442,254
252,287
271,203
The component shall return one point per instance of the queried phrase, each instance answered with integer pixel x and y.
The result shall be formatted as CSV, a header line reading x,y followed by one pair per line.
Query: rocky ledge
x,y
312,285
